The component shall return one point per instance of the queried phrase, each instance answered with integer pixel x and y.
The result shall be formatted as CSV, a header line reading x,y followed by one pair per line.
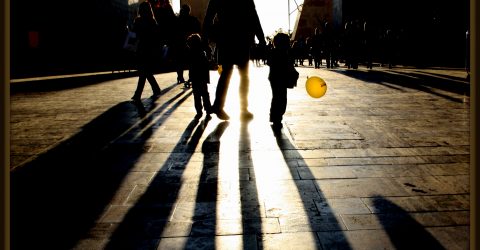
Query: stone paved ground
x,y
380,162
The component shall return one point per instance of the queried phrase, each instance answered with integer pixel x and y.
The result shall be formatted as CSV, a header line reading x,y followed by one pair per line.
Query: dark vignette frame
x,y
474,117
5,131
4,125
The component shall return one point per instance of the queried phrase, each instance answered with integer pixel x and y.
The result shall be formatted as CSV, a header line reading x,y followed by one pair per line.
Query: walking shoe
x,y
247,115
277,125
136,99
222,115
156,94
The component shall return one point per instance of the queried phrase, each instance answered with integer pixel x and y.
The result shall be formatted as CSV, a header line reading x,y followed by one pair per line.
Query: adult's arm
x,y
212,10
258,29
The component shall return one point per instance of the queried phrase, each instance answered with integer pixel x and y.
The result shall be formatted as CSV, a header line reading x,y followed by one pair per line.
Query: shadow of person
x,y
205,211
325,225
64,191
142,111
249,200
148,218
443,87
403,230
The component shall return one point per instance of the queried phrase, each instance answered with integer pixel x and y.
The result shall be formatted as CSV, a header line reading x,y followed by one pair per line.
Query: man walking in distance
x,y
233,26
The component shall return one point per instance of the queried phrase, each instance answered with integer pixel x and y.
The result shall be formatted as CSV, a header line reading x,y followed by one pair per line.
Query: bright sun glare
x,y
273,14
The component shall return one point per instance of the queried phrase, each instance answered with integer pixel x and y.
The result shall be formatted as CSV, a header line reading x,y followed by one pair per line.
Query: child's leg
x,y
197,98
206,98
278,104
282,102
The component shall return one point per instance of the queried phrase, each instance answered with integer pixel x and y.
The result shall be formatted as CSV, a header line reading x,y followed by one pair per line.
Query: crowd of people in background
x,y
357,43
227,38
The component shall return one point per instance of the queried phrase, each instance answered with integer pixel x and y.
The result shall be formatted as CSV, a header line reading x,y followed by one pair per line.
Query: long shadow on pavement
x,y
205,210
57,197
311,199
62,83
147,220
250,204
403,230
421,82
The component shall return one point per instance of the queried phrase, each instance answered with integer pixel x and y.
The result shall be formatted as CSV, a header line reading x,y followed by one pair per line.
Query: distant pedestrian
x,y
281,65
308,43
145,26
328,40
317,48
369,43
355,38
167,27
199,74
389,47
237,24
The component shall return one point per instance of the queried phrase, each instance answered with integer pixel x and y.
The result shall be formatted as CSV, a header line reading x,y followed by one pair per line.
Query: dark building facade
x,y
64,36
427,32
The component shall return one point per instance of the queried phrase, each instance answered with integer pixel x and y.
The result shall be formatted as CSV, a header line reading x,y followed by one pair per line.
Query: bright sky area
x,y
273,13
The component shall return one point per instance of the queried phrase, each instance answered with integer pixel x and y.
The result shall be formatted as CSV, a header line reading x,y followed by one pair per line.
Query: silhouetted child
x,y
281,66
199,74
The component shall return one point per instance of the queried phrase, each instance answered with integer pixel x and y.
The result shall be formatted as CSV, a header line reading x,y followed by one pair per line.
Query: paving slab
x,y
380,162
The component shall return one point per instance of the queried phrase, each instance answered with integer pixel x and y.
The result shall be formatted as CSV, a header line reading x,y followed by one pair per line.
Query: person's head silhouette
x,y
145,10
281,41
185,10
194,41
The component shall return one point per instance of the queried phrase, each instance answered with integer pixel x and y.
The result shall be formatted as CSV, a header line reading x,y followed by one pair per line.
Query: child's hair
x,y
194,41
281,41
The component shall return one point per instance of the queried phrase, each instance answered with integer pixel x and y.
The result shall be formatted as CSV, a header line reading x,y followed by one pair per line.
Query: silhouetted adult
x,y
369,42
145,26
186,25
236,24
389,46
328,44
167,26
308,44
348,44
317,48
355,43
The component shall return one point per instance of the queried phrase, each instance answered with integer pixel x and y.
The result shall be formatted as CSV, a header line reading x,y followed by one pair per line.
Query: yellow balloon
x,y
219,69
316,87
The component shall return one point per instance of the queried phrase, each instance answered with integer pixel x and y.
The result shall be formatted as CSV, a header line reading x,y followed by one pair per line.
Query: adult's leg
x,y
140,85
244,86
179,61
222,87
153,83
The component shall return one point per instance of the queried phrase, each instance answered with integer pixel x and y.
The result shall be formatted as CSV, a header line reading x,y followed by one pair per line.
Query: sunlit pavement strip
x,y
380,162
